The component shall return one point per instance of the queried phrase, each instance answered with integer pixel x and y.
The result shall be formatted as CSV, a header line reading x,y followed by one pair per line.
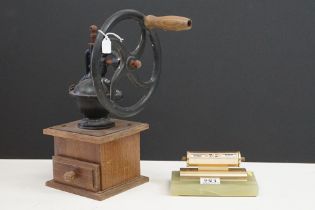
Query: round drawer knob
x,y
69,176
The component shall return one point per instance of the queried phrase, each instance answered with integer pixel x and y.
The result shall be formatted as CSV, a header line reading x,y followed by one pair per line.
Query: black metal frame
x,y
103,91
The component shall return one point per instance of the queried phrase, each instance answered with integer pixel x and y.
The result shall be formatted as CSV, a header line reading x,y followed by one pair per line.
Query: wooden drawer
x,y
76,173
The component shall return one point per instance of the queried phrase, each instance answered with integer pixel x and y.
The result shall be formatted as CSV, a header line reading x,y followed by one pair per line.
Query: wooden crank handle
x,y
168,23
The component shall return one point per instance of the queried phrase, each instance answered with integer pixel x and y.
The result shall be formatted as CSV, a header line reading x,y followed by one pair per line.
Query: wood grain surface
x,y
72,131
101,195
120,160
168,23
103,161
86,175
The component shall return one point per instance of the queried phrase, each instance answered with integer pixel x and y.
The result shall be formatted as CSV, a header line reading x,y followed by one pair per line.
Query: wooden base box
x,y
96,163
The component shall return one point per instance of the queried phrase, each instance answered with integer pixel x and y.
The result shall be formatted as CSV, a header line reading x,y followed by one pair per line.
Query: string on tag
x,y
110,33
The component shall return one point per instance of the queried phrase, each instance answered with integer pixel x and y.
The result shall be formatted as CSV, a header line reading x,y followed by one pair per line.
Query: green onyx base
x,y
192,187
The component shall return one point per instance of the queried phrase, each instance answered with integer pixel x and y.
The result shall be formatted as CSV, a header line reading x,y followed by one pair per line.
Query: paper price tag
x,y
106,46
106,43
207,180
